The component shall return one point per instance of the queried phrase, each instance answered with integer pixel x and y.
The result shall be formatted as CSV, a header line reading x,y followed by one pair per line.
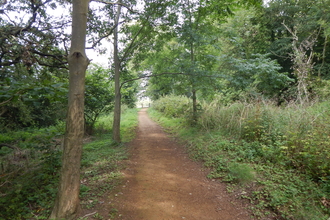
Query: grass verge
x,y
254,170
101,165
29,176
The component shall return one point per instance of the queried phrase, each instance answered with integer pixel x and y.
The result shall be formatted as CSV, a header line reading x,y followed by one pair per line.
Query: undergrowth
x,y
277,157
100,170
29,172
101,164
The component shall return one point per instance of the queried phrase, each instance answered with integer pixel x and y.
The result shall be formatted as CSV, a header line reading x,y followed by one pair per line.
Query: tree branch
x,y
142,77
9,146
133,40
167,73
115,3
8,100
101,38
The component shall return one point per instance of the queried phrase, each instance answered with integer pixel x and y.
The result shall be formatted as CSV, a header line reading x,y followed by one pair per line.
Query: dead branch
x,y
89,214
9,146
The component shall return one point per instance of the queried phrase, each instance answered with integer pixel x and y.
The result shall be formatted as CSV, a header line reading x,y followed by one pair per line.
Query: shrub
x,y
173,106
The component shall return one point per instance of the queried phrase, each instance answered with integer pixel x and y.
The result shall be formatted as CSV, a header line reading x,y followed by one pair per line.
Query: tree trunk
x,y
193,89
67,200
194,99
117,109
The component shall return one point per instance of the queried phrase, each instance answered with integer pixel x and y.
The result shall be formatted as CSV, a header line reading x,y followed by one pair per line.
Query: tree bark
x,y
194,99
117,108
67,200
193,89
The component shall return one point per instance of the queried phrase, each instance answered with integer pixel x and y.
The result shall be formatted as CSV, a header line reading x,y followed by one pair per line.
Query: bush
x,y
173,106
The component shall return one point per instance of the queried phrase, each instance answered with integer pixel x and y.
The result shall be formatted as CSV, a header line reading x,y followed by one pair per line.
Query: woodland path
x,y
162,183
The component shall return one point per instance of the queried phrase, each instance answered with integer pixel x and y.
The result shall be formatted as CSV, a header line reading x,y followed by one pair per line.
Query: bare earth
x,y
162,183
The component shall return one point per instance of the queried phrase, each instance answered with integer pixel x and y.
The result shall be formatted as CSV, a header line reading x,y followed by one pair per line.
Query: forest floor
x,y
161,182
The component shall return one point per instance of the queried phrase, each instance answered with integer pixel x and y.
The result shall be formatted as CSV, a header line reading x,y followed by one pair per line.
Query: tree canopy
x,y
200,49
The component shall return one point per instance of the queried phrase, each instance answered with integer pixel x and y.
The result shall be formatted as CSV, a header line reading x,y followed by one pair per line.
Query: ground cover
x,y
29,172
280,173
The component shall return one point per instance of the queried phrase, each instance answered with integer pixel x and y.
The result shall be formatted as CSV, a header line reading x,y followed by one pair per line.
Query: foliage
x,y
32,40
129,124
173,106
240,173
261,148
99,96
29,176
240,49
294,135
129,93
218,51
101,161
306,17
32,102
259,73
100,169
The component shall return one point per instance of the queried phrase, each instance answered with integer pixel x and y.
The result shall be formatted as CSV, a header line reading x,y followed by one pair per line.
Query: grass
x,y
101,163
100,169
273,154
29,177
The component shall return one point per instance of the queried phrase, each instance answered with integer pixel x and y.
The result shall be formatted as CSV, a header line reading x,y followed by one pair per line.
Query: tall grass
x,y
280,153
301,133
237,118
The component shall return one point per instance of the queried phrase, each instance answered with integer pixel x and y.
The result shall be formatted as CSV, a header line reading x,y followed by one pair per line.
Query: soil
x,y
161,182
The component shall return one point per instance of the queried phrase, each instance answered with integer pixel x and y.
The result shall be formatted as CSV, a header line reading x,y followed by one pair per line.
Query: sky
x,y
92,54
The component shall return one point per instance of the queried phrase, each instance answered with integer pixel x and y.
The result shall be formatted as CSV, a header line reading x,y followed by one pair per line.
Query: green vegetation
x,y
276,157
29,173
98,97
246,83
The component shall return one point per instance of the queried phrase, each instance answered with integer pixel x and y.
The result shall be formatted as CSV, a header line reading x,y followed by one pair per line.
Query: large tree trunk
x,y
67,200
117,109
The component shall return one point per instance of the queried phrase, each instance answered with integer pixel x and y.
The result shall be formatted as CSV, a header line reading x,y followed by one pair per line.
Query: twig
x,y
89,214
4,183
9,146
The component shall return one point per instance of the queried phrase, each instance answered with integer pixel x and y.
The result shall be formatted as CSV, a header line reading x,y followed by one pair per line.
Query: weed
x,y
98,216
240,173
113,213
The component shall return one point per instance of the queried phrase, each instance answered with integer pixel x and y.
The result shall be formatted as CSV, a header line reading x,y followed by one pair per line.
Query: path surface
x,y
162,183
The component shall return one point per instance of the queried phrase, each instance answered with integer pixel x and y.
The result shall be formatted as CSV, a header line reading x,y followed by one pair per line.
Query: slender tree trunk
x,y
194,99
193,89
67,200
117,109
323,56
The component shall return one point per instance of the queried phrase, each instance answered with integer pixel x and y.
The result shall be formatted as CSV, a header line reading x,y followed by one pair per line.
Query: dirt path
x,y
162,183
